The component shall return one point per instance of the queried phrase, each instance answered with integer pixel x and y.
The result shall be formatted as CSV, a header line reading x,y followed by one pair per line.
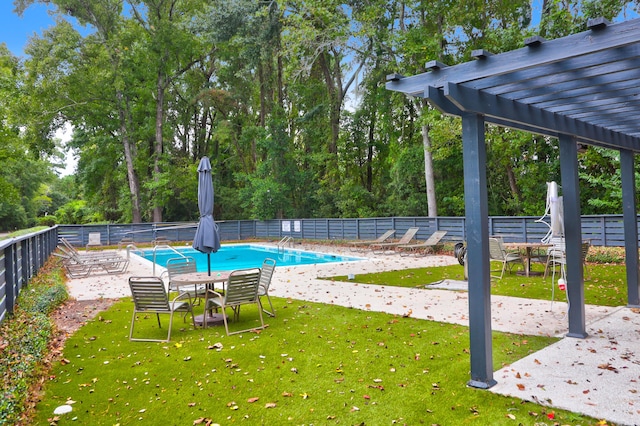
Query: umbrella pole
x,y
209,263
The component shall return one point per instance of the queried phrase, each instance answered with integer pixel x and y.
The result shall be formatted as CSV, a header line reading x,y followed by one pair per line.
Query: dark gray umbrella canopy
x,y
207,238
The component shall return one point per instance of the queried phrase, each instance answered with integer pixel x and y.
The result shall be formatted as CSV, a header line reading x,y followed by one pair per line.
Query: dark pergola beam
x,y
573,235
619,35
521,114
476,212
629,212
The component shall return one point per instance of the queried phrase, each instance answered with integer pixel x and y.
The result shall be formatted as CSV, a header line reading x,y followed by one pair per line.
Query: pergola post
x,y
573,235
629,213
477,228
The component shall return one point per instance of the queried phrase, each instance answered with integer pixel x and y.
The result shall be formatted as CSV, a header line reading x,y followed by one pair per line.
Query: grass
x,y
315,364
605,284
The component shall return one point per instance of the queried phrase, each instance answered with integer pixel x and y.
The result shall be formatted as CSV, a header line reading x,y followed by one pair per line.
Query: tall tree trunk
x,y
160,90
371,143
132,177
428,173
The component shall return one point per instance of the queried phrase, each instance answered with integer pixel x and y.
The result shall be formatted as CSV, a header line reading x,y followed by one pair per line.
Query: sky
x,y
15,31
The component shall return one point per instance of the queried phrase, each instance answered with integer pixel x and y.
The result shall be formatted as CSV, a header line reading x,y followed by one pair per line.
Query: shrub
x,y
24,339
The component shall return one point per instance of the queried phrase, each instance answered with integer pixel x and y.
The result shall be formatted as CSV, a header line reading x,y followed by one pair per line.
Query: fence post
x,y
10,277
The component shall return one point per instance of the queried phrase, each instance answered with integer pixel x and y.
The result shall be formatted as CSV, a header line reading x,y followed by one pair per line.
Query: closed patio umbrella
x,y
207,238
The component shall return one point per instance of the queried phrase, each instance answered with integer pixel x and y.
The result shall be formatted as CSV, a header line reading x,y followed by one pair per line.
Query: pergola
x,y
580,89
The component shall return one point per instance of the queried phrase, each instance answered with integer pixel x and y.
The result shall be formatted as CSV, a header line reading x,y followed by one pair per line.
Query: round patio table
x,y
203,278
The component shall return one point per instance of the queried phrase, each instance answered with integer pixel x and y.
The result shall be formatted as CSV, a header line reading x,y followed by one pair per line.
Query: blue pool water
x,y
241,256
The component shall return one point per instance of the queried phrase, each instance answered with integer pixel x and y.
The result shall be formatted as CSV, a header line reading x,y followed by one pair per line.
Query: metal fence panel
x,y
600,230
20,259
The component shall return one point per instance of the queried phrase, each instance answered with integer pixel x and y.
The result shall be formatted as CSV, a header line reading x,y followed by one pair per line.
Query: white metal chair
x,y
241,289
497,253
556,256
150,296
266,273
184,265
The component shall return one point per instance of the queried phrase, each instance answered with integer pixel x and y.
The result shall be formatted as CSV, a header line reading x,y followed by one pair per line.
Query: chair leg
x,y
170,324
273,311
133,321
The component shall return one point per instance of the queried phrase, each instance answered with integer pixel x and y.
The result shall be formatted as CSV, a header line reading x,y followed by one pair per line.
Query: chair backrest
x,y
496,249
408,236
67,244
268,266
94,239
242,287
181,265
149,294
384,237
435,237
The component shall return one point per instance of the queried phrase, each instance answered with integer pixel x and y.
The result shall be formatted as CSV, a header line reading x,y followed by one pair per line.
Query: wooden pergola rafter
x,y
580,89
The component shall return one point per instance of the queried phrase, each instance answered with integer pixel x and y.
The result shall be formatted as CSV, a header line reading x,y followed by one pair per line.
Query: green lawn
x,y
314,364
605,284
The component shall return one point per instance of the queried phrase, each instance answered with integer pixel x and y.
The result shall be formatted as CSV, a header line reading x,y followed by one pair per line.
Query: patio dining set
x,y
213,290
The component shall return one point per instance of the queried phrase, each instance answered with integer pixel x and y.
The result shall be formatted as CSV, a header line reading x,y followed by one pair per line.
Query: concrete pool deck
x,y
598,376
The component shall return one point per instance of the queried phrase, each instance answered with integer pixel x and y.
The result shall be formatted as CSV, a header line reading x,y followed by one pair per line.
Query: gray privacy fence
x,y
600,230
20,259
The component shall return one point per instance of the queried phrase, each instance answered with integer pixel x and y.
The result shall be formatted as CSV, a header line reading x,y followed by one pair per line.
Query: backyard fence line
x,y
601,230
20,260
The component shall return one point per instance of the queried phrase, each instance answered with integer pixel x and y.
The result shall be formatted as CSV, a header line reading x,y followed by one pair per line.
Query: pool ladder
x,y
283,242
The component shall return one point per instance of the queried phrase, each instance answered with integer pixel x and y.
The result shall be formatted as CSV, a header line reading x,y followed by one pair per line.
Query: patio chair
x,y
241,289
497,253
408,236
363,244
266,273
424,247
94,240
150,296
184,265
556,257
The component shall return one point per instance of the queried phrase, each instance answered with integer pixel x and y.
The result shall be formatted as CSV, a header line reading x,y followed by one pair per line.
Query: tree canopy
x,y
288,100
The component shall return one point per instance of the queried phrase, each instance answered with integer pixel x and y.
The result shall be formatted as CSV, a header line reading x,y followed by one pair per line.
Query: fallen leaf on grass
x,y
252,400
270,405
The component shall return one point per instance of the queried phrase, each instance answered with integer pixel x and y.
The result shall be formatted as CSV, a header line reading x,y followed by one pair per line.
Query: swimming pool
x,y
241,256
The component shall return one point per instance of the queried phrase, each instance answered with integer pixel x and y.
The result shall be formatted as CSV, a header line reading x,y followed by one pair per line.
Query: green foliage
x,y
287,99
25,337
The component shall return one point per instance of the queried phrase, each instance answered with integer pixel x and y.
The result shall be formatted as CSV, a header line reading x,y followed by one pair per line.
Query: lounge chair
x,y
424,247
385,247
81,265
497,253
361,245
